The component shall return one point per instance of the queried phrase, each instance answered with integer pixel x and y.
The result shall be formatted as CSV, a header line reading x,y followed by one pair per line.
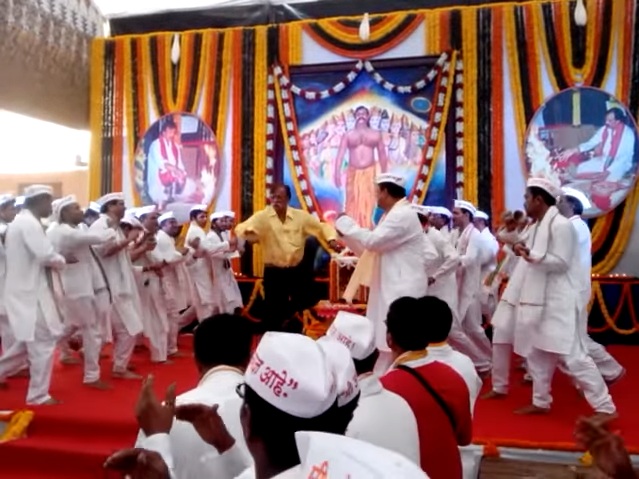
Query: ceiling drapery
x,y
44,55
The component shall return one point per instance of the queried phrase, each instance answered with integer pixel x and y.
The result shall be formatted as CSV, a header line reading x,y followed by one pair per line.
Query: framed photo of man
x,y
587,139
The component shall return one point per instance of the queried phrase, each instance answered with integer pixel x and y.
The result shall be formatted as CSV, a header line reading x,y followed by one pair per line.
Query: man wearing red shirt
x,y
437,394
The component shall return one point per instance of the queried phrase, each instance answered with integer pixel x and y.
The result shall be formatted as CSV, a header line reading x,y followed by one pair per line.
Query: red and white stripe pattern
x,y
271,123
299,169
459,127
433,133
408,89
315,95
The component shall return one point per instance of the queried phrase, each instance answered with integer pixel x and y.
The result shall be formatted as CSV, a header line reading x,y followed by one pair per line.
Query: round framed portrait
x,y
178,164
587,139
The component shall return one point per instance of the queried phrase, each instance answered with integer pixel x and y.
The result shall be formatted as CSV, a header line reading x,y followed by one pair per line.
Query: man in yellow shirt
x,y
282,232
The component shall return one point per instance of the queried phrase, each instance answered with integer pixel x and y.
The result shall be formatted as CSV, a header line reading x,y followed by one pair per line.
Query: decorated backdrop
x,y
506,62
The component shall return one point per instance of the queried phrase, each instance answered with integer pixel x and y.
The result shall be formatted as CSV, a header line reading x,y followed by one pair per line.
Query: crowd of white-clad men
x,y
74,278
292,384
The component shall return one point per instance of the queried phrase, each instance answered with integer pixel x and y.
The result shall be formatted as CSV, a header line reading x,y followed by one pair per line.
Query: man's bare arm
x,y
381,152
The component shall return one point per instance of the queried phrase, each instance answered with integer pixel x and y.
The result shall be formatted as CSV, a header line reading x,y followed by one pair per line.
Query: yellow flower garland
x,y
469,54
96,95
17,427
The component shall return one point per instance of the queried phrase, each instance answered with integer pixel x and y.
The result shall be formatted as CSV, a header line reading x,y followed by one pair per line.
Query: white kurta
x,y
469,246
6,334
226,288
155,321
398,242
118,270
621,163
217,386
384,419
176,281
30,254
201,274
444,270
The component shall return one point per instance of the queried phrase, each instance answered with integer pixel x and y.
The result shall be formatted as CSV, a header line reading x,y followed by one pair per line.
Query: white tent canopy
x,y
126,8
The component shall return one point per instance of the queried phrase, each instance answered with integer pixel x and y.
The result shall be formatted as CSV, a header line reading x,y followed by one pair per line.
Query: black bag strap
x,y
438,399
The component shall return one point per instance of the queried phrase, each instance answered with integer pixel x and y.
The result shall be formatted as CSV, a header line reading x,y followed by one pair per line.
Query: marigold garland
x,y
96,119
469,49
18,423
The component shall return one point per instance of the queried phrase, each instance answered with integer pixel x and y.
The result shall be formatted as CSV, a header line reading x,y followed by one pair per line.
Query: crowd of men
x,y
390,394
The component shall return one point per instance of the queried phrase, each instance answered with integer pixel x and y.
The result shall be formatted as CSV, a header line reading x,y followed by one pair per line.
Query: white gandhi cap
x,y
340,457
343,368
390,178
292,373
108,198
166,216
578,195
355,332
549,186
37,190
480,215
466,205
59,205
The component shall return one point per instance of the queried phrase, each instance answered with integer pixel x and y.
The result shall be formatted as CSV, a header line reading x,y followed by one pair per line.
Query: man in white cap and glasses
x,y
468,335
229,298
31,308
82,285
382,417
440,218
545,302
201,270
176,281
392,264
572,205
125,312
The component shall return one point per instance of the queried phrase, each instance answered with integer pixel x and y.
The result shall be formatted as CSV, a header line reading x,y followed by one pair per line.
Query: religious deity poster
x,y
389,117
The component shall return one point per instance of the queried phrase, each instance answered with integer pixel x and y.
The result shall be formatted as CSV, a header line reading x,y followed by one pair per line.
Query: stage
x,y
72,440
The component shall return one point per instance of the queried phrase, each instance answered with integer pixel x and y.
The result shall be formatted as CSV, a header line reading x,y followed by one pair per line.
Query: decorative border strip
x,y
271,106
459,127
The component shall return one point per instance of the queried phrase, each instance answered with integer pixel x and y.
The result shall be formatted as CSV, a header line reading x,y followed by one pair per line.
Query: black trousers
x,y
287,291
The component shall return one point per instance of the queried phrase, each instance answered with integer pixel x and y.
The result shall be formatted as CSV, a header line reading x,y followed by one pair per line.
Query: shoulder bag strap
x,y
438,399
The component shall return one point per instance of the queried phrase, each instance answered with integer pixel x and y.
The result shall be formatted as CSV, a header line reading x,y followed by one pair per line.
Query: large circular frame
x,y
178,164
588,140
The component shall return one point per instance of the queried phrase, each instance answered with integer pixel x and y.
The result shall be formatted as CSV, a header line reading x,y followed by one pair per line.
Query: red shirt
x,y
438,441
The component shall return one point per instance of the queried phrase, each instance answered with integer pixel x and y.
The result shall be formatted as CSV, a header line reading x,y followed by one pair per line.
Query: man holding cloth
x,y
547,328
392,263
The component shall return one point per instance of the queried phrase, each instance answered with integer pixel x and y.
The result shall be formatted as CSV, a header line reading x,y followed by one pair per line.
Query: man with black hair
x,y
31,309
165,171
540,314
382,417
467,334
393,261
437,394
572,204
222,350
125,314
281,231
440,321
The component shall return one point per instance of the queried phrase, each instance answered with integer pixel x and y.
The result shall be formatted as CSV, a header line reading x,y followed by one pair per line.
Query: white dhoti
x,y
122,310
155,321
86,314
6,333
468,337
39,355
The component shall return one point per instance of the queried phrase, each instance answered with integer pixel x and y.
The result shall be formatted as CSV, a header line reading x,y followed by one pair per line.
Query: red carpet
x,y
72,440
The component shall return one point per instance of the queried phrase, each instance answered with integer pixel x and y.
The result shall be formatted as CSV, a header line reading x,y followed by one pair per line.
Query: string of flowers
x,y
459,127
438,117
315,95
271,105
414,87
610,320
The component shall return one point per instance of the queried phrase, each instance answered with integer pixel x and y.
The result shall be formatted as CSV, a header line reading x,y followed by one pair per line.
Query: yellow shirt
x,y
283,242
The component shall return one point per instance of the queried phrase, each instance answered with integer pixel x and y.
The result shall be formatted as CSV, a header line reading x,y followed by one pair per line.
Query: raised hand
x,y
154,417
208,424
